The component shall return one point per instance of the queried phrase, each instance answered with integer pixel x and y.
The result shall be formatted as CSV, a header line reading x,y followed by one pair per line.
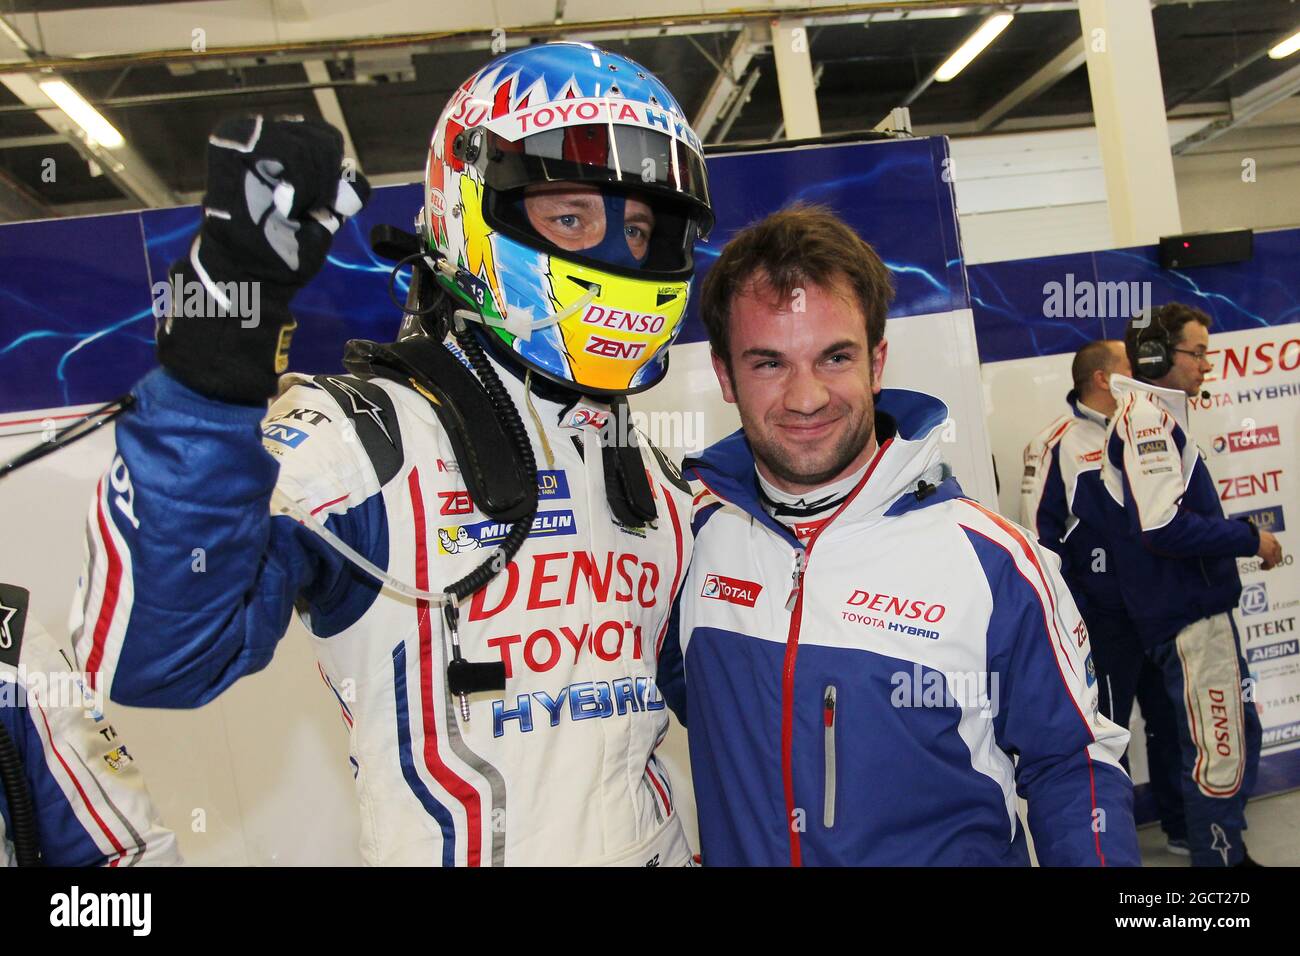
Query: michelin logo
x,y
469,537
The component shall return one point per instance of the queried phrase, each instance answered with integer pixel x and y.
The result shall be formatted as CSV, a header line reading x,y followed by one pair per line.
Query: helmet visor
x,y
658,177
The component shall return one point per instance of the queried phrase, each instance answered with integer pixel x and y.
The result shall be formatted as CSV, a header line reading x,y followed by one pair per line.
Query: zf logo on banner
x,y
1254,599
731,590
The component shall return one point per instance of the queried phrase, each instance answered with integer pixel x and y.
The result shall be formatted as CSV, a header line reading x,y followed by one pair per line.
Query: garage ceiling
x,y
390,97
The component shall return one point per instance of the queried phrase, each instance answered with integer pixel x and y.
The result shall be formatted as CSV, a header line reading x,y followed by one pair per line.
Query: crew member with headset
x,y
1063,467
1175,555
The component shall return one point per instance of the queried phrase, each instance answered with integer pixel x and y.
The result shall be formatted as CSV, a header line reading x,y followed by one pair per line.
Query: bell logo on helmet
x,y
437,202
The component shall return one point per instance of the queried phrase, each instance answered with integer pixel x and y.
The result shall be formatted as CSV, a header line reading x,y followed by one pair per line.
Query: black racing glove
x,y
276,195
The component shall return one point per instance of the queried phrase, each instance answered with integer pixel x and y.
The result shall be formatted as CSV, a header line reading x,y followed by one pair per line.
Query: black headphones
x,y
1155,351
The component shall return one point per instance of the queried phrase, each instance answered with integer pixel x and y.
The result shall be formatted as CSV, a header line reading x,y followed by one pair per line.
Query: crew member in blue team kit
x,y
860,651
1062,466
1175,559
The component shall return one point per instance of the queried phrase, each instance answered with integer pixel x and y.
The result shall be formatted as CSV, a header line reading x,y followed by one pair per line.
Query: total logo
x,y
586,417
1254,599
732,590
1247,440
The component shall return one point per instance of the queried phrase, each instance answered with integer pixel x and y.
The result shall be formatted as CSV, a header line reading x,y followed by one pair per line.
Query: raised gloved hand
x,y
277,193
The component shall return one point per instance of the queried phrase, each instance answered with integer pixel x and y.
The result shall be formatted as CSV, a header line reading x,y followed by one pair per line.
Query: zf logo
x,y
1254,599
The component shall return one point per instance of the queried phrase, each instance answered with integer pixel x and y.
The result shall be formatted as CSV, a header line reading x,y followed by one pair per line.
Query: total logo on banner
x,y
1265,519
1267,437
469,537
731,590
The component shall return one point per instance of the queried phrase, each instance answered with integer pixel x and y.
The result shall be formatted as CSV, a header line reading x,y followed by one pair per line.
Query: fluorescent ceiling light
x,y
13,35
1286,47
82,113
973,47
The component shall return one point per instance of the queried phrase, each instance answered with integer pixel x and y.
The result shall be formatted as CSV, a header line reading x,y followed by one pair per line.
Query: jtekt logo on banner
x,y
731,590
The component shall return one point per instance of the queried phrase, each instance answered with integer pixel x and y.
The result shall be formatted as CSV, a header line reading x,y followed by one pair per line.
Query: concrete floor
x,y
1273,837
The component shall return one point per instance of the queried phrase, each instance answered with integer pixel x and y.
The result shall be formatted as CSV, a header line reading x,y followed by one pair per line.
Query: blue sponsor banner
x,y
78,329
1265,519
1056,304
284,434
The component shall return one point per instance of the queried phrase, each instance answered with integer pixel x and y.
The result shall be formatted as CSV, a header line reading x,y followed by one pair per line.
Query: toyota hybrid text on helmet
x,y
568,190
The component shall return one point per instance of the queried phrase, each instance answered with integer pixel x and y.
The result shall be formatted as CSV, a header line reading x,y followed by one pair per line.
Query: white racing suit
x,y
560,768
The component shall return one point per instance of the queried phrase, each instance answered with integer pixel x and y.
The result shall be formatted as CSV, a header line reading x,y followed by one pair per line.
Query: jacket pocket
x,y
829,702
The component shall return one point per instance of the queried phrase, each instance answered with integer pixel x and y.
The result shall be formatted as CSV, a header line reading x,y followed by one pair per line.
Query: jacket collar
x,y
1085,412
1170,399
913,454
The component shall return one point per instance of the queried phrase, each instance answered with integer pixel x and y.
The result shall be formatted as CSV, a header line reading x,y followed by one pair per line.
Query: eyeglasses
x,y
1199,354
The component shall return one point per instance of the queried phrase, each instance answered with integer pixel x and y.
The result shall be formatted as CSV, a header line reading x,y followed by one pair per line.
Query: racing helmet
x,y
566,191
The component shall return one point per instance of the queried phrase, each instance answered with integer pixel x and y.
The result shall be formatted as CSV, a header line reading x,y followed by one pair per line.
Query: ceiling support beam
x,y
1055,70
1244,108
327,101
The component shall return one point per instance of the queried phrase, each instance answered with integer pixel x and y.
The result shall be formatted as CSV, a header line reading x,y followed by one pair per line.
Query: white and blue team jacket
x,y
1175,552
880,696
1062,465
90,804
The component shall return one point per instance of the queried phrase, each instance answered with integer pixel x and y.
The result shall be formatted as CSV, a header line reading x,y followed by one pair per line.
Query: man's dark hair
x,y
798,246
1097,356
1171,317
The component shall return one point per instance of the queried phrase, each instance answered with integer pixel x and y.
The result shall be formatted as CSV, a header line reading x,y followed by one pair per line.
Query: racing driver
x,y
486,571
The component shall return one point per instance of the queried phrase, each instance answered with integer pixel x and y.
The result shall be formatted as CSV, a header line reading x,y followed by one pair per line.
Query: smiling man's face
x,y
804,381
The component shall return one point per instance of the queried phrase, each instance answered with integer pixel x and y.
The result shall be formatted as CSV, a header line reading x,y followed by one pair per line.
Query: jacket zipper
x,y
795,604
828,724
